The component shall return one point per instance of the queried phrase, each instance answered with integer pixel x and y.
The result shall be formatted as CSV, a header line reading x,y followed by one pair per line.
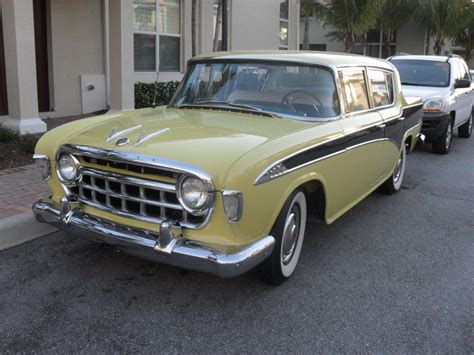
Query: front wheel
x,y
288,232
394,182
443,144
465,129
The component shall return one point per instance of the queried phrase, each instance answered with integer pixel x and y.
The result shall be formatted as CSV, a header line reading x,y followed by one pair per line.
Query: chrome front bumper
x,y
163,247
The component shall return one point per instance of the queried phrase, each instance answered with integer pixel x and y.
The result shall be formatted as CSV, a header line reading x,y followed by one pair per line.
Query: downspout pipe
x,y
107,53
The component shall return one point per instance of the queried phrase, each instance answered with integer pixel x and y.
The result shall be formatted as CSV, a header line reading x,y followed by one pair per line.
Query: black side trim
x,y
393,130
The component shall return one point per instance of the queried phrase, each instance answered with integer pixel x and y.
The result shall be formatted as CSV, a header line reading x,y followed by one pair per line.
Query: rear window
x,y
381,86
423,72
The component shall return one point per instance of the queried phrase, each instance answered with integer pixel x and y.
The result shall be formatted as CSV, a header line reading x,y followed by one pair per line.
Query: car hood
x,y
211,140
425,92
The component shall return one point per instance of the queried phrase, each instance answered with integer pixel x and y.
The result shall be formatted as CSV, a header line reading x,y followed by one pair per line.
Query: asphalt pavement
x,y
395,274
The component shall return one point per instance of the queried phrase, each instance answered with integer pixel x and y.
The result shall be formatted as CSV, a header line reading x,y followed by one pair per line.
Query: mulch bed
x,y
14,154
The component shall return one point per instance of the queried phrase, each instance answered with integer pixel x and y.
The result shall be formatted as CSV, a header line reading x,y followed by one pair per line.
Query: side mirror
x,y
462,84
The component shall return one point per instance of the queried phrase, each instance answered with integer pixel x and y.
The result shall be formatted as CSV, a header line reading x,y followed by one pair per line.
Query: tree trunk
x,y
388,45
438,47
348,42
194,29
306,33
218,29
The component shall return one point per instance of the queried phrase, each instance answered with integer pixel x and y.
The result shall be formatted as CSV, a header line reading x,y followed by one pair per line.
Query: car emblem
x,y
122,141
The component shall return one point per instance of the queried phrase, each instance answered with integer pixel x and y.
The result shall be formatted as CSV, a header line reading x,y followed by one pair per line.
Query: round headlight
x,y
193,194
68,167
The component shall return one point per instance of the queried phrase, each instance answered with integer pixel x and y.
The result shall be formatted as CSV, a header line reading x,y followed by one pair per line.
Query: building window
x,y
284,23
372,44
157,35
316,47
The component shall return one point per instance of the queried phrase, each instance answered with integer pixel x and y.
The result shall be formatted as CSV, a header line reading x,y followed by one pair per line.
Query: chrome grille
x,y
129,167
131,196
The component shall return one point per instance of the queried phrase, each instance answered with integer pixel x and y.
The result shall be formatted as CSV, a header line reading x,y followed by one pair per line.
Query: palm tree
x,y
350,18
393,14
309,8
465,35
441,18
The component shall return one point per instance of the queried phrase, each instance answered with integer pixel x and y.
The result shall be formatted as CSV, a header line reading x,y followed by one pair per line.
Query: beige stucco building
x,y
72,57
410,39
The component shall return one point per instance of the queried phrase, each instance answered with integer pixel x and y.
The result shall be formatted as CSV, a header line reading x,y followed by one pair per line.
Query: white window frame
x,y
280,46
157,35
380,45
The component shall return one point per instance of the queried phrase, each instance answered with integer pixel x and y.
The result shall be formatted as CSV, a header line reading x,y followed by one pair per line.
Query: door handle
x,y
400,119
381,126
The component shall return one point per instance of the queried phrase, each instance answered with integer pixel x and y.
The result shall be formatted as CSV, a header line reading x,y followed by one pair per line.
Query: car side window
x,y
354,90
381,87
456,70
464,70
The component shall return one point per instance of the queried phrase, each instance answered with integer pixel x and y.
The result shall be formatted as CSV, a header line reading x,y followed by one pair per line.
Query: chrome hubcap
x,y
290,235
398,169
448,136
470,124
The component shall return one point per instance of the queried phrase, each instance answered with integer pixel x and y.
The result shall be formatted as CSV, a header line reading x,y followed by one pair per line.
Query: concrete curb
x,y
21,228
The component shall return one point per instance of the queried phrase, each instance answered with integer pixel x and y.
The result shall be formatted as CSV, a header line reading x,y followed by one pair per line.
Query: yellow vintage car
x,y
223,178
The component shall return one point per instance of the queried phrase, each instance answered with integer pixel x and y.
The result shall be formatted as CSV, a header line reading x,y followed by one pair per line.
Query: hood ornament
x,y
122,141
114,134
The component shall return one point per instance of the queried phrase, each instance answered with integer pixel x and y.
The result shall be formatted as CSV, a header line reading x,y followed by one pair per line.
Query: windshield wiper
x,y
410,84
227,103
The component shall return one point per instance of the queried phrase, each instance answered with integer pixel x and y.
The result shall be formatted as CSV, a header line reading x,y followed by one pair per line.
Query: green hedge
x,y
144,93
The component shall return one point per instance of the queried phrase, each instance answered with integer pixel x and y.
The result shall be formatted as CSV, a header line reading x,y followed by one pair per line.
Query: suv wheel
x,y
465,129
442,145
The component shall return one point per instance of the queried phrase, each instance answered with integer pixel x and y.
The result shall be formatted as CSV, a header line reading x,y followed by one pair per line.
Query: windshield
x,y
299,91
423,72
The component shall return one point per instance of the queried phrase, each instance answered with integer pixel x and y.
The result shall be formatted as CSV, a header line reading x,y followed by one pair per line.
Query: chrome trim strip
x,y
183,253
279,161
365,143
262,178
138,159
114,134
141,139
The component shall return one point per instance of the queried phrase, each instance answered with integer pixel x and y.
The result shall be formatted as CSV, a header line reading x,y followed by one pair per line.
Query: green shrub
x,y
7,135
144,93
28,143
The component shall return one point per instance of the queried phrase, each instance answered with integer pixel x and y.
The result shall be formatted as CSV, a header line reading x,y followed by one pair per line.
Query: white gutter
x,y
107,52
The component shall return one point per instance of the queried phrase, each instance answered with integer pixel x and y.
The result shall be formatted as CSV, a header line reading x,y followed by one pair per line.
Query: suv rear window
x,y
423,72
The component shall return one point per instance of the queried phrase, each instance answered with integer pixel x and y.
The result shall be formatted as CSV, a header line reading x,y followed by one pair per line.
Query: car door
x,y
364,134
468,100
381,89
462,96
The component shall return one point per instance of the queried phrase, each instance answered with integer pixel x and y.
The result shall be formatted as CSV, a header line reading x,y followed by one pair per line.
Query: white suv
x,y
444,84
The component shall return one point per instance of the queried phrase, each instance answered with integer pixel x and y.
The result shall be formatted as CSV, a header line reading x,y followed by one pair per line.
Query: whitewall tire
x,y
394,182
288,230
